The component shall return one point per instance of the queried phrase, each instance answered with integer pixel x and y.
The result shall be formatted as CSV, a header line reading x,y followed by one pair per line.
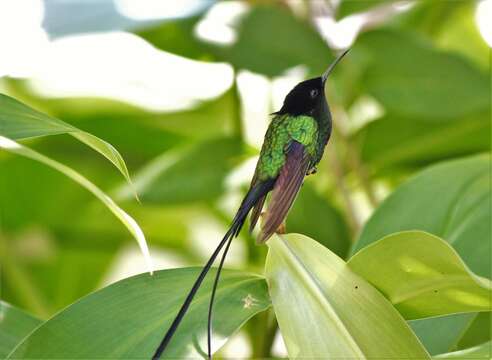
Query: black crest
x,y
304,98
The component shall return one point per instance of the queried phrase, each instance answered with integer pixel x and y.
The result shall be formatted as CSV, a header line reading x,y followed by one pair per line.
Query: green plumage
x,y
282,130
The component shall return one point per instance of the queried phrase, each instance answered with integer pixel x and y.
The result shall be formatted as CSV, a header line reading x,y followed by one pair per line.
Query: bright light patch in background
x,y
217,26
483,17
22,40
282,85
341,34
206,233
129,262
159,9
255,98
123,66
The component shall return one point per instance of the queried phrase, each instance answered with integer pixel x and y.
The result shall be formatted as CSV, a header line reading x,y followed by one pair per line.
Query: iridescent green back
x,y
282,130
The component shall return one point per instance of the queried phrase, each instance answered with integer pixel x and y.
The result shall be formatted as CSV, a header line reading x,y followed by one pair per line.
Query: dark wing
x,y
285,189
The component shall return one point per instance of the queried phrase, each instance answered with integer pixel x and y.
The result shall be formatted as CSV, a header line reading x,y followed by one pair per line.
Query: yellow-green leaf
x,y
483,351
325,310
128,319
19,121
422,275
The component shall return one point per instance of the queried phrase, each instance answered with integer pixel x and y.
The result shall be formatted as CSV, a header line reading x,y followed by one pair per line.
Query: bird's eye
x,y
314,93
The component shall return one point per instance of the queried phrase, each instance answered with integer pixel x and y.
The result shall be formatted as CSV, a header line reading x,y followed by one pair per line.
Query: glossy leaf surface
x,y
15,324
129,318
422,276
329,310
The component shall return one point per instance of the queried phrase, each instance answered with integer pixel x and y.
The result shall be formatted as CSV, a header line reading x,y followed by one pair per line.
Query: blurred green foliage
x,y
426,68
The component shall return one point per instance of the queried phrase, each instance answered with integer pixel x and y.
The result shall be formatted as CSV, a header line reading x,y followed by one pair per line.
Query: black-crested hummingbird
x,y
293,146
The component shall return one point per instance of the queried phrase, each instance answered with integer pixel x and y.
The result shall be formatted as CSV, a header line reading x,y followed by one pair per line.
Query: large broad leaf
x,y
271,40
203,120
447,23
15,324
415,80
348,7
326,310
19,121
128,319
304,218
422,276
391,140
483,351
441,334
453,332
477,332
449,200
13,147
189,175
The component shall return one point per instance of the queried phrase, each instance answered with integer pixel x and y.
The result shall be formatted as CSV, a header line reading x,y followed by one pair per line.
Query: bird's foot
x,y
282,229
312,171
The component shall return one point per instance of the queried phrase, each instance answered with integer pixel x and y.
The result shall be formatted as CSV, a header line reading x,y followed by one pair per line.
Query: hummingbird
x,y
293,146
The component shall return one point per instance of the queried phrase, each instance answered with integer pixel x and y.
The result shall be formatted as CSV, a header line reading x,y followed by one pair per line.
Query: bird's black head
x,y
308,97
304,98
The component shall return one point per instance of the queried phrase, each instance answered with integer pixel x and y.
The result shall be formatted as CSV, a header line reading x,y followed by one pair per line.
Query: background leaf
x,y
126,220
415,80
462,186
337,313
389,142
441,334
271,31
478,352
15,324
422,276
129,318
191,175
19,121
349,7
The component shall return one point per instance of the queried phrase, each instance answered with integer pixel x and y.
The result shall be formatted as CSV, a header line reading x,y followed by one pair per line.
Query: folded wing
x,y
285,190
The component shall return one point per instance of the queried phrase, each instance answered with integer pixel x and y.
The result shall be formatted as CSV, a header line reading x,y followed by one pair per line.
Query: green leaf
x,y
478,331
447,23
207,119
414,80
13,147
129,318
15,324
449,200
391,140
349,7
325,310
422,276
441,334
178,37
304,218
189,175
483,351
19,121
271,40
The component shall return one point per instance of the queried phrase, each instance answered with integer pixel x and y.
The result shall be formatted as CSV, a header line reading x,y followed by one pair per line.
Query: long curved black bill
x,y
332,65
